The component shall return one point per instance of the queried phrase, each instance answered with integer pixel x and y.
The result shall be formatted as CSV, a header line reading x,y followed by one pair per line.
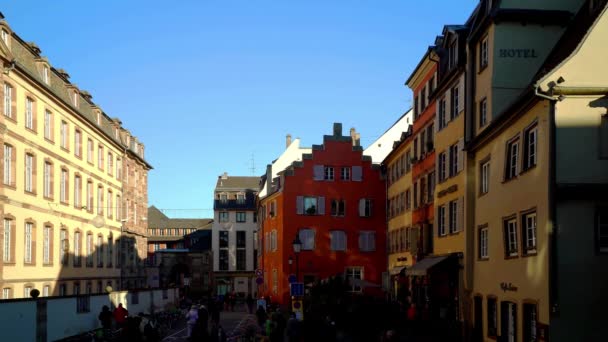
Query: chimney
x,y
268,179
287,140
337,129
225,175
357,141
355,137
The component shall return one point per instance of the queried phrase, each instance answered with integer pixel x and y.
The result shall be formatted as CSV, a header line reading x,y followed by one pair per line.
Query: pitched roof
x,y
226,182
156,219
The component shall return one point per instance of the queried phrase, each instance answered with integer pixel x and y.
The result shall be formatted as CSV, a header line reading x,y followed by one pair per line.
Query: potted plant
x,y
311,210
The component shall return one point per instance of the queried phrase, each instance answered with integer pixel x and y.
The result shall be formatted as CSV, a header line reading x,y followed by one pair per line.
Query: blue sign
x,y
297,289
292,278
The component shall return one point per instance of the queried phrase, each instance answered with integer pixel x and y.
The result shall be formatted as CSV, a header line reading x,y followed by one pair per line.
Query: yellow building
x,y
527,173
62,199
402,240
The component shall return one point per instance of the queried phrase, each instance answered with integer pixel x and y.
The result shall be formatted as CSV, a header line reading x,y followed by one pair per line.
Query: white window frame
x,y
453,164
46,289
29,113
8,165
29,172
441,220
77,191
90,150
328,173
345,173
63,246
453,215
483,243
26,291
64,134
308,200
529,221
442,166
29,231
48,120
48,172
4,36
63,186
46,245
511,238
531,141
77,143
483,112
8,100
352,273
45,74
224,216
338,241
512,159
483,46
485,177
7,240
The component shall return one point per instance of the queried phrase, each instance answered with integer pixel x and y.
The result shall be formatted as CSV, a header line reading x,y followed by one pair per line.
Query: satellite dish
x,y
98,221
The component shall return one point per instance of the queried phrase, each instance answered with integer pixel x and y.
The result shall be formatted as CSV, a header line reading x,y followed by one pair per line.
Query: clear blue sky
x,y
207,84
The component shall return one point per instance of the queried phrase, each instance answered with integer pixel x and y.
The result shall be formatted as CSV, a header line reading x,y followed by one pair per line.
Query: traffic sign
x,y
259,272
292,278
298,309
296,289
259,280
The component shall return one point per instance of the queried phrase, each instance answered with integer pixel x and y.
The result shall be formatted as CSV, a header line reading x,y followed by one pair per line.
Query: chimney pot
x,y
225,175
287,140
337,129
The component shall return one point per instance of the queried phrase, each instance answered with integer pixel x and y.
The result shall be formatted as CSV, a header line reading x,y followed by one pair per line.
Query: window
x,y
485,177
100,157
529,233
492,318
90,151
75,98
416,109
46,290
223,260
90,196
8,237
310,206
441,220
109,204
453,160
8,100
338,240
9,178
83,304
365,207
367,241
337,208
602,229
530,322
329,173
77,143
64,135
530,142
63,290
453,205
307,237
442,166
241,216
224,198
48,180
510,229
415,144
423,99
483,112
483,243
453,55
345,173
48,125
29,113
223,216
63,193
118,208
240,198
26,291
77,249
416,195
99,251
483,53
46,245
29,247
89,250
5,36
110,251
408,199
241,245
63,247
431,186
273,240
29,172
454,103
77,192
512,157
408,161
354,276
45,74
441,115
223,242
603,137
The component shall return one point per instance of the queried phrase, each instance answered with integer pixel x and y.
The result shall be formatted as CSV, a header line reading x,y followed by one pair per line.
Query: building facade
x,y
234,228
62,197
334,201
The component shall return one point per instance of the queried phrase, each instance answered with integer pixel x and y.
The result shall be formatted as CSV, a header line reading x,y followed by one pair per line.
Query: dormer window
x,y
98,118
5,36
115,133
46,74
75,98
453,55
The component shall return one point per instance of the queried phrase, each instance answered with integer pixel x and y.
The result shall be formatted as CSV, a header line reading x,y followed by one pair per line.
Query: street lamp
x,y
297,247
290,262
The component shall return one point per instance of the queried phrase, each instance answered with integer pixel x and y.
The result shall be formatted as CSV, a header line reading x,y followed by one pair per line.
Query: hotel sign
x,y
508,287
517,53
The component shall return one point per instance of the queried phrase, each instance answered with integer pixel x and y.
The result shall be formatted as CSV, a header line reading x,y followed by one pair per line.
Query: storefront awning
x,y
421,267
396,270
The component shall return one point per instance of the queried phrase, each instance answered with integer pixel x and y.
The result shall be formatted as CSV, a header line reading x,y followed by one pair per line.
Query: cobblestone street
x,y
229,321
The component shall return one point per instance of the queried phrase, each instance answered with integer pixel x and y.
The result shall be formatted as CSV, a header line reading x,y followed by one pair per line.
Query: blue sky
x,y
206,85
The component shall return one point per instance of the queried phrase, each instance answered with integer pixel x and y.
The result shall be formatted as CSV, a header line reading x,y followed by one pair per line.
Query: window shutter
x,y
460,154
437,171
318,172
300,205
448,105
436,222
357,173
448,163
362,207
414,240
321,205
461,94
371,241
362,241
460,214
436,125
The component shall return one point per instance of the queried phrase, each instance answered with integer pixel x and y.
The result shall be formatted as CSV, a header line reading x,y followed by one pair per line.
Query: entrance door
x,y
508,321
478,330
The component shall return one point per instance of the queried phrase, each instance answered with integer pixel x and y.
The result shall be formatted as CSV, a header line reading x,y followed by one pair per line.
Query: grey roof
x,y
26,55
237,182
156,219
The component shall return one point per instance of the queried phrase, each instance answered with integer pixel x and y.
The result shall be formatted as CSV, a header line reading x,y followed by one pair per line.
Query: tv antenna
x,y
252,167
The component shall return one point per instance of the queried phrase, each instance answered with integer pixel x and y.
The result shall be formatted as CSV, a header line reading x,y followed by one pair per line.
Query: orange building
x,y
333,199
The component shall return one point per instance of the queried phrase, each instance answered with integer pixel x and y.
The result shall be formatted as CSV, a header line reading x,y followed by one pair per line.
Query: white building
x,y
382,146
233,234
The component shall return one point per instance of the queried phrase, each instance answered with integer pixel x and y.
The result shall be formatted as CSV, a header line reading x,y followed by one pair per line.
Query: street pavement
x,y
231,321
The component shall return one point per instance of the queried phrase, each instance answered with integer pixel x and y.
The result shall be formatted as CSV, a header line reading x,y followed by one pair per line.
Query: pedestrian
x,y
293,328
270,328
250,303
191,318
217,333
203,318
280,324
261,315
105,317
120,316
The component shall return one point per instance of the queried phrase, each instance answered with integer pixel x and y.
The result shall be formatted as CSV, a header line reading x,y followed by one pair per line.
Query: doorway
x,y
508,321
478,328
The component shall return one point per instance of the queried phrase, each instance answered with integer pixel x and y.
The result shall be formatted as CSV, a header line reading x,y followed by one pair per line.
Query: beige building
x,y
73,183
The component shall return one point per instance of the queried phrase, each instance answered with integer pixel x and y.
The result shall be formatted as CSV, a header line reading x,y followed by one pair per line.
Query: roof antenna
x,y
252,167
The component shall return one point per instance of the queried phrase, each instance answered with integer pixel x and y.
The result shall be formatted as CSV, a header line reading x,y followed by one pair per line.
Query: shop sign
x,y
508,287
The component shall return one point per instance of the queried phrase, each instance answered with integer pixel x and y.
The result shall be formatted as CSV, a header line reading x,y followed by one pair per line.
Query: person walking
x,y
191,318
293,328
105,317
261,315
120,316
